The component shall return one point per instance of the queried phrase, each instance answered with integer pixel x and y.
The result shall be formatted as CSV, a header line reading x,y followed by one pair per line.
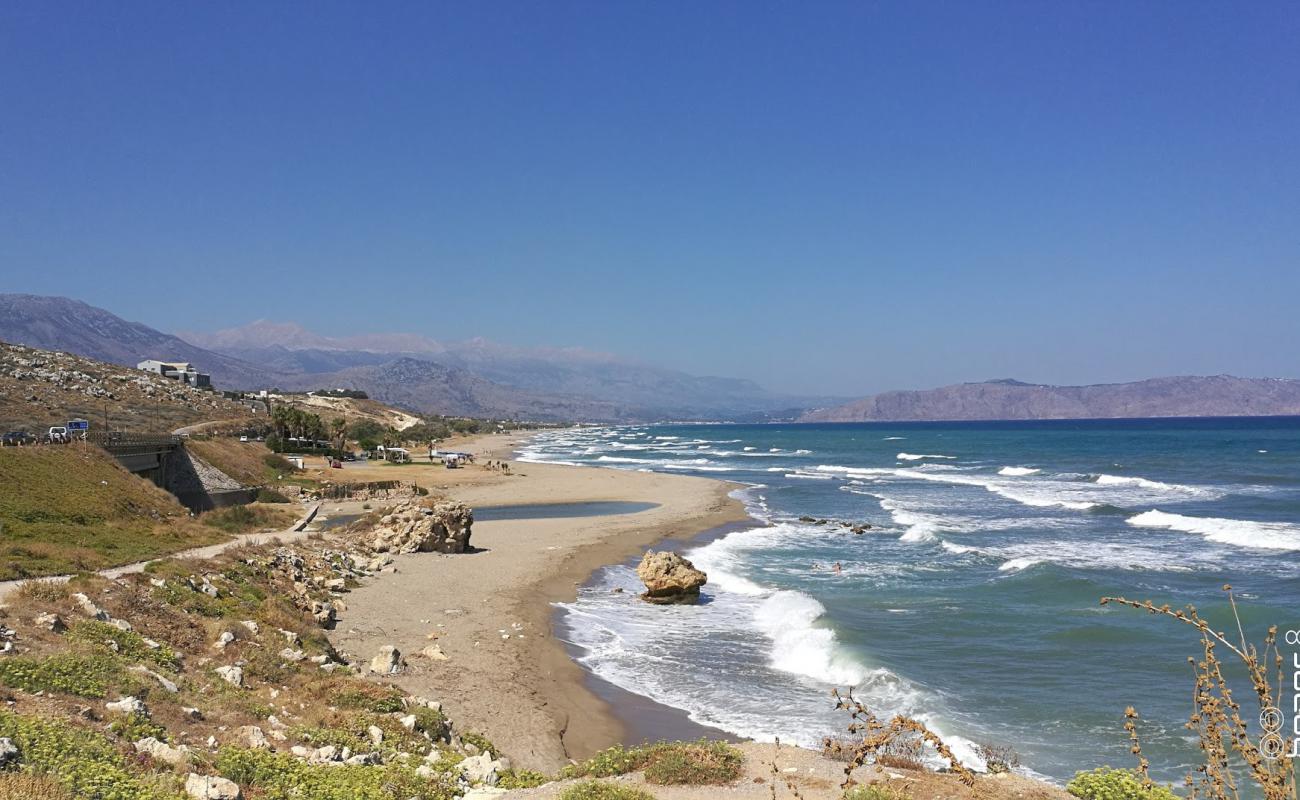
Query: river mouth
x,y
599,508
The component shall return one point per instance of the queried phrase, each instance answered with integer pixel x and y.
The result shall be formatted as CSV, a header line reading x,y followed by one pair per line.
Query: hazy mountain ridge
x,y
1182,396
474,377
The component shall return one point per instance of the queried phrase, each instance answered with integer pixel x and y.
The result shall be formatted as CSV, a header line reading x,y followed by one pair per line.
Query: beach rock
x,y
480,769
128,705
669,578
232,675
413,527
252,737
434,653
89,608
161,751
211,787
9,754
388,661
51,622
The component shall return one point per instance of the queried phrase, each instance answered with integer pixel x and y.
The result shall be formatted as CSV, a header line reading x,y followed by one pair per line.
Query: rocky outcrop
x,y
211,787
669,578
443,527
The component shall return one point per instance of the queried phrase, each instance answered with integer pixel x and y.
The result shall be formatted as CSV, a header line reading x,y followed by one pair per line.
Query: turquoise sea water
x,y
973,600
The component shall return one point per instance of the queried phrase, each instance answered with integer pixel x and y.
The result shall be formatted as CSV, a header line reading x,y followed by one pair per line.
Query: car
x,y
57,433
17,438
243,438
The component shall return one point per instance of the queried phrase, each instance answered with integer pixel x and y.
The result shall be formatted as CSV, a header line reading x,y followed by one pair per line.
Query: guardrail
x,y
111,439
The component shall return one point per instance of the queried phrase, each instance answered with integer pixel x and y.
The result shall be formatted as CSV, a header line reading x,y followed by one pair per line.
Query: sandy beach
x,y
506,675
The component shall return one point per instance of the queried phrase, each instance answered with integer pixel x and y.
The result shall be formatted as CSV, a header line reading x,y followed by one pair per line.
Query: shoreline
x,y
493,612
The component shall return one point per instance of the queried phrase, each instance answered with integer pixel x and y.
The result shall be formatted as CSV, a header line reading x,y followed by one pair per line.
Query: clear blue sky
x,y
820,196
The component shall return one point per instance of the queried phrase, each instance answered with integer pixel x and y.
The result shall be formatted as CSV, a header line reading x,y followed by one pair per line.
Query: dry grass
x,y
22,786
72,508
1228,750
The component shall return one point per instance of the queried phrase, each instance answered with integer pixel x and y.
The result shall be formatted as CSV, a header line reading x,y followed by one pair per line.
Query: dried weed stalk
x,y
873,738
1224,736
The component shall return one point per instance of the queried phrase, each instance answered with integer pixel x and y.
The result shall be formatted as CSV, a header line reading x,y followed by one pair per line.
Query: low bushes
x,y
600,790
875,792
64,673
278,776
1105,783
667,763
84,763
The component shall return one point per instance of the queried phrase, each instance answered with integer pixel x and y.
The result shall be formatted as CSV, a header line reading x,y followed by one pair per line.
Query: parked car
x,y
243,438
17,438
57,433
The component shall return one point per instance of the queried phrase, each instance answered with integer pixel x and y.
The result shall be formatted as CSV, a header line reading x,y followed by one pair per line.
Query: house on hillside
x,y
182,371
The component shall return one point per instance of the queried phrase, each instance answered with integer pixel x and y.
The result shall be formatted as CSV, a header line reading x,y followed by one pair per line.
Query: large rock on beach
x,y
443,527
669,578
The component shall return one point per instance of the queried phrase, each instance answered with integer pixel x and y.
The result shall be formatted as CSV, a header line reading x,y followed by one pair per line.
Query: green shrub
x,y
270,496
521,779
600,790
666,763
279,776
64,673
128,644
697,764
432,722
133,727
1105,783
83,762
480,741
875,791
370,697
277,462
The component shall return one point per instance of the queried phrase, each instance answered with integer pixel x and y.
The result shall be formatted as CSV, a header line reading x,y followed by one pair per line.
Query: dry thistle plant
x,y
1224,736
786,779
873,738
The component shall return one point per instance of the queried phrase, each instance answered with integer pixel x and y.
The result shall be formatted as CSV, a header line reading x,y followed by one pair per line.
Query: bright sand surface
x,y
506,676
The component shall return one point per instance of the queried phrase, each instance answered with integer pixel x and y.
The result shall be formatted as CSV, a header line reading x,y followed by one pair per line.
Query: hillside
x,y
71,508
1191,396
40,388
70,326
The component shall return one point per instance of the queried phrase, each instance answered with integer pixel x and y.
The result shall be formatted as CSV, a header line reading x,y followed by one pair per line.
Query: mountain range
x,y
477,377
1185,396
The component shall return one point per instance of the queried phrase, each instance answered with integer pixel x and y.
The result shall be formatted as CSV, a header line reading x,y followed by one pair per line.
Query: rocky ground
x,y
42,388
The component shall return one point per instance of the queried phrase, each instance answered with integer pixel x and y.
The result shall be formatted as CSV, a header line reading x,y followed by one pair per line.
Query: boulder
x,y
9,754
252,737
415,527
233,675
669,578
51,622
388,661
480,769
211,787
89,608
128,705
161,751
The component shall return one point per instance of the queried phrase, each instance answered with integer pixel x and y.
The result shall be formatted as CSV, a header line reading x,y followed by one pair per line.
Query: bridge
x,y
145,454
163,459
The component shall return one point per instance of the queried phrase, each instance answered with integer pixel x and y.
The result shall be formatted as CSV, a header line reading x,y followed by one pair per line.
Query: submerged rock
x,y
669,578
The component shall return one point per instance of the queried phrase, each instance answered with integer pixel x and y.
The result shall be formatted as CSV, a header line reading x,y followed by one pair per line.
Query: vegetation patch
x,y
876,791
1105,783
522,779
84,763
245,519
602,790
73,509
63,673
277,776
666,763
127,644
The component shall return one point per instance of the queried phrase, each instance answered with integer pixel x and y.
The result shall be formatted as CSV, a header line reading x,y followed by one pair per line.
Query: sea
x,y
973,601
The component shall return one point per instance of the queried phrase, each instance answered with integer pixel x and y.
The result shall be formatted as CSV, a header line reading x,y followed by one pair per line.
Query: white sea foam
x,y
1018,471
920,527
1144,483
959,549
919,456
1242,533
799,645
750,448
893,438
1017,564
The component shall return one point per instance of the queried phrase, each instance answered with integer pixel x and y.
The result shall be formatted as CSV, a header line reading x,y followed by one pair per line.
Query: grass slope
x,y
73,508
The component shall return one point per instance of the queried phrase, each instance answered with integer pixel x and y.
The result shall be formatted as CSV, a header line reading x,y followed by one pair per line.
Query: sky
x,y
831,198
